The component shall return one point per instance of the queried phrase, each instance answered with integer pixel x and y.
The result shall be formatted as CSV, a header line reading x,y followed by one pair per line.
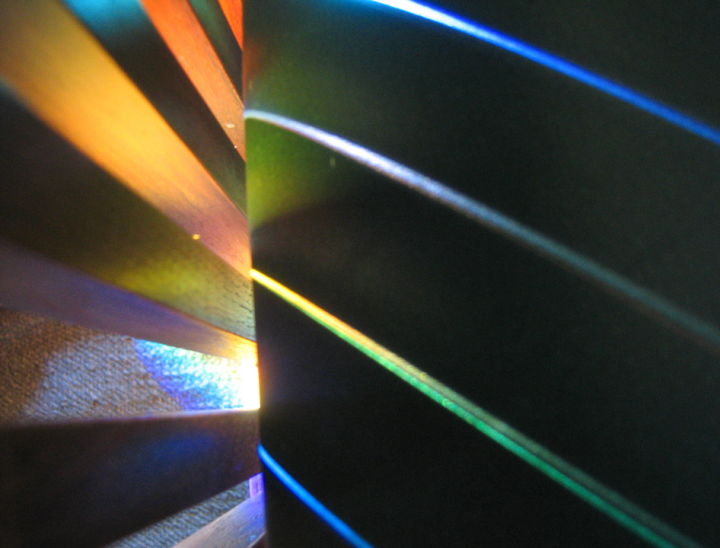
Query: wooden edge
x,y
233,10
127,32
89,483
223,39
241,527
183,33
33,283
67,209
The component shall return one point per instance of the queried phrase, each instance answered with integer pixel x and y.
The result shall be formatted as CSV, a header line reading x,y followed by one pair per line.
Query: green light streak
x,y
604,499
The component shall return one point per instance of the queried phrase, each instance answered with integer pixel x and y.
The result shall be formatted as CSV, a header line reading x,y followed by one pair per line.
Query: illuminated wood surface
x,y
179,26
219,31
176,61
233,10
62,207
122,208
49,59
33,283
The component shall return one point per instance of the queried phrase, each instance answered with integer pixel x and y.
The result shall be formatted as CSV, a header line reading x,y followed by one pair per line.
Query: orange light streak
x,y
233,10
177,23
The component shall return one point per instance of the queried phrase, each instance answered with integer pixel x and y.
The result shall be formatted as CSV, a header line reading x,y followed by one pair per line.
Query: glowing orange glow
x,y
176,21
233,10
61,72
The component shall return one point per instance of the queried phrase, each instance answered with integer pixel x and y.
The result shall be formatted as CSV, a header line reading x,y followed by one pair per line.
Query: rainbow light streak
x,y
340,527
200,381
556,64
612,504
646,301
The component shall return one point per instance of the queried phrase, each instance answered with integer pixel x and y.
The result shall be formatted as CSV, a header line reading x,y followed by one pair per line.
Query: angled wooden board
x,y
88,483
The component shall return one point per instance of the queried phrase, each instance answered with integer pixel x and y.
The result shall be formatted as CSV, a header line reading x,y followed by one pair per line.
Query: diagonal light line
x,y
556,64
604,499
340,527
648,302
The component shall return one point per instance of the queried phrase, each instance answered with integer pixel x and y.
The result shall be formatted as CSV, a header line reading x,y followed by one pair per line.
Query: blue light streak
x,y
556,64
646,301
340,527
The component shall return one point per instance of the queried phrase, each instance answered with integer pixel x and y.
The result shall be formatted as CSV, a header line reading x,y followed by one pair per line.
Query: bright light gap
x,y
202,381
604,499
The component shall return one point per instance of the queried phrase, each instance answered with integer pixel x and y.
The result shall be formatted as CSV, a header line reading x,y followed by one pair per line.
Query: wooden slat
x,y
180,28
61,206
176,62
220,33
85,484
119,210
242,527
233,10
58,68
31,282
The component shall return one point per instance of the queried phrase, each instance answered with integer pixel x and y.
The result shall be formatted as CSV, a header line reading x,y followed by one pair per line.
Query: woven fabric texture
x,y
54,371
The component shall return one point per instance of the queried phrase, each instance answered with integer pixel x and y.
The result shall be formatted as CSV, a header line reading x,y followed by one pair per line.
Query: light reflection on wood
x,y
177,23
69,81
37,284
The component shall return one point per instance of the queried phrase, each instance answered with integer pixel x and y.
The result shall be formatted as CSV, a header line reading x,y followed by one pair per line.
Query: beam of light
x,y
604,499
646,301
200,381
556,64
339,526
